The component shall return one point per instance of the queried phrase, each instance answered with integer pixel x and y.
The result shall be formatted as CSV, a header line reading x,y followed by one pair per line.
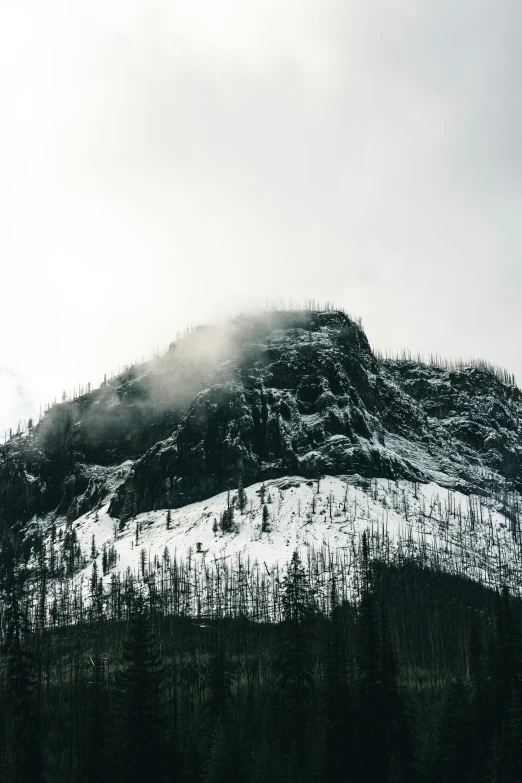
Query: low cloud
x,y
166,163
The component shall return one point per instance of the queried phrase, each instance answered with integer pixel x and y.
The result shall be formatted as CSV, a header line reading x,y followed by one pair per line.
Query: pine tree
x,y
480,727
295,660
25,763
139,709
42,577
241,496
454,759
265,524
94,582
227,519
505,659
378,698
507,764
94,759
339,740
22,700
222,763
397,739
316,752
220,767
219,683
263,769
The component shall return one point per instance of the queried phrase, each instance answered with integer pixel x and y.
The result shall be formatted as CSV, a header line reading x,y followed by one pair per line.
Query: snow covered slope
x,y
323,520
427,460
267,396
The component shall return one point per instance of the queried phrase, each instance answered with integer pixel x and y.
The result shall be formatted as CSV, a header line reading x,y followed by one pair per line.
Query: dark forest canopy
x,y
418,678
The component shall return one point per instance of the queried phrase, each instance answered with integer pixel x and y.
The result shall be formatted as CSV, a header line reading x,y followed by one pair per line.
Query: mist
x,y
168,164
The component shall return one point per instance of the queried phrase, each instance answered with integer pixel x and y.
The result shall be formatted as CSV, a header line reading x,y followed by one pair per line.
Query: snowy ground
x,y
465,534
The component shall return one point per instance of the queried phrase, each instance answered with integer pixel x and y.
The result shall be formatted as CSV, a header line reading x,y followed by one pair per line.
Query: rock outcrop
x,y
264,396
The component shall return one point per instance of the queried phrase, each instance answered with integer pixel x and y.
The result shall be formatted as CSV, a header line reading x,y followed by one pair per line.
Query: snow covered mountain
x,y
297,409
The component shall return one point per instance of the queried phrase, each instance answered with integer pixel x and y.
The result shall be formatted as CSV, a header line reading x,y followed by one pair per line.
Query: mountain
x,y
272,403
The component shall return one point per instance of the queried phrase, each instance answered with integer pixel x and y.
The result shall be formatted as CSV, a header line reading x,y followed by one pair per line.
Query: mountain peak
x,y
256,398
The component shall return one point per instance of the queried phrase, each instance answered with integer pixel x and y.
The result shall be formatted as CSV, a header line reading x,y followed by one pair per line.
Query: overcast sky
x,y
167,163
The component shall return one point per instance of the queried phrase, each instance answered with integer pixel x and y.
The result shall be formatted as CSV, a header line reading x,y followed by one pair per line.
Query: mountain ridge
x,y
258,398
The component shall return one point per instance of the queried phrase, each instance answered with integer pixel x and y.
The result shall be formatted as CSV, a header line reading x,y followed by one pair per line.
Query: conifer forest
x,y
416,677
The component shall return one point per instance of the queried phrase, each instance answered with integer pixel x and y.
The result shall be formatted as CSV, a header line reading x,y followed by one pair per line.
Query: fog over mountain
x,y
171,163
260,421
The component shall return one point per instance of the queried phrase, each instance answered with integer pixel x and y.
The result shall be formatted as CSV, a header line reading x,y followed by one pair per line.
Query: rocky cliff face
x,y
281,393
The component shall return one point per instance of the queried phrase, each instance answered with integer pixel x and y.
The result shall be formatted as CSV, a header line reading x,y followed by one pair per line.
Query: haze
x,y
169,163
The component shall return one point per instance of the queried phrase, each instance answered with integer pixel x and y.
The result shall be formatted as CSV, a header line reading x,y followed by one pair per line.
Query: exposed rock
x,y
265,396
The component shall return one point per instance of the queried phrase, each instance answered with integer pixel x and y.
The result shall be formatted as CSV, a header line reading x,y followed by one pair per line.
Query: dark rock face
x,y
309,397
479,413
265,396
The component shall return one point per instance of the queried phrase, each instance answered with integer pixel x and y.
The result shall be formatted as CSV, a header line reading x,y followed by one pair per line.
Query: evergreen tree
x,y
372,741
222,763
480,727
454,762
505,659
262,492
507,762
383,726
227,519
295,661
241,496
95,759
23,761
94,583
219,683
220,767
264,766
139,709
339,740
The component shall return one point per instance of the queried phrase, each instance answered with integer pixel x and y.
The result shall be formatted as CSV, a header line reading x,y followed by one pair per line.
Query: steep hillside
x,y
324,520
261,397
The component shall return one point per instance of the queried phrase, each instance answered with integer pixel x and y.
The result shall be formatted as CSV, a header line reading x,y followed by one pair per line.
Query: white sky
x,y
166,163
